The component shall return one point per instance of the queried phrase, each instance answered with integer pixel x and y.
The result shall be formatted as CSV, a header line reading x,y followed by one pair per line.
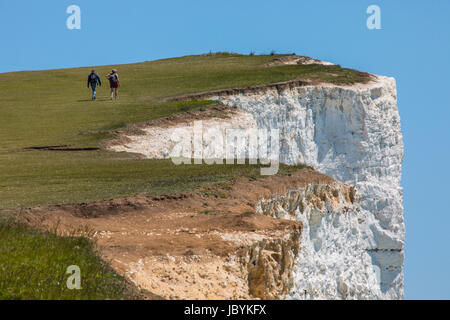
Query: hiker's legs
x,y
114,88
94,90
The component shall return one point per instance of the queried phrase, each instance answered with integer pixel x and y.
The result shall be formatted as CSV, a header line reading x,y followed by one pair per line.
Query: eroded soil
x,y
185,246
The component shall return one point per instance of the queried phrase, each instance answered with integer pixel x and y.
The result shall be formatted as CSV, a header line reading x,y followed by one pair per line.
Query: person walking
x,y
93,80
113,78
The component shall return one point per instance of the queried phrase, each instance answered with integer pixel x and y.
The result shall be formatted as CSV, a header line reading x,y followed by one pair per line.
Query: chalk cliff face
x,y
332,262
351,244
351,133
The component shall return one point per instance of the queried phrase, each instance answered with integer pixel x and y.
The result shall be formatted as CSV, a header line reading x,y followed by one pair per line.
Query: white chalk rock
x,y
351,133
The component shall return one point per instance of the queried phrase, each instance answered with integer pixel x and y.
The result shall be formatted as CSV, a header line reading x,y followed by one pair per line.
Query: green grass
x,y
33,265
54,108
50,177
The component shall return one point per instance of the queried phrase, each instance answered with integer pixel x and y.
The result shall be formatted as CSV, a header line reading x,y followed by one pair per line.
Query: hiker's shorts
x,y
114,84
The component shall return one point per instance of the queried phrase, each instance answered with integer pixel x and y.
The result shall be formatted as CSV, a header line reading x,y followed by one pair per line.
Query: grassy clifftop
x,y
53,107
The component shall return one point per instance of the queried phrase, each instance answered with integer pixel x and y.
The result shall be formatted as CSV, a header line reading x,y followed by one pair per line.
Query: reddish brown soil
x,y
185,225
129,218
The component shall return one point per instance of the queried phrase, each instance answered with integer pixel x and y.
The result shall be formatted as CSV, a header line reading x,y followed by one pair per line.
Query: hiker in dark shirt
x,y
113,78
93,80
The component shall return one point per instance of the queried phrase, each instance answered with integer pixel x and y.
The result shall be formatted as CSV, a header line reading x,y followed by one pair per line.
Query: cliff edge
x,y
353,134
349,132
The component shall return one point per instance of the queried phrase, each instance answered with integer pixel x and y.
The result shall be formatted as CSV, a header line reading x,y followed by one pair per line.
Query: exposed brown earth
x,y
194,246
280,86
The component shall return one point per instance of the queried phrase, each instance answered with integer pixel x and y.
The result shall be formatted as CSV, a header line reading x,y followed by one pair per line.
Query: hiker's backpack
x,y
113,77
93,78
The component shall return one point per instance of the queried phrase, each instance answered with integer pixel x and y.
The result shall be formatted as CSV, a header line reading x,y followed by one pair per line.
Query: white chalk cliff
x,y
351,133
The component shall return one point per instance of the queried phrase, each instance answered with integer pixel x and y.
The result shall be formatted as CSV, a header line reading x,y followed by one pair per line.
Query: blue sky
x,y
413,46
